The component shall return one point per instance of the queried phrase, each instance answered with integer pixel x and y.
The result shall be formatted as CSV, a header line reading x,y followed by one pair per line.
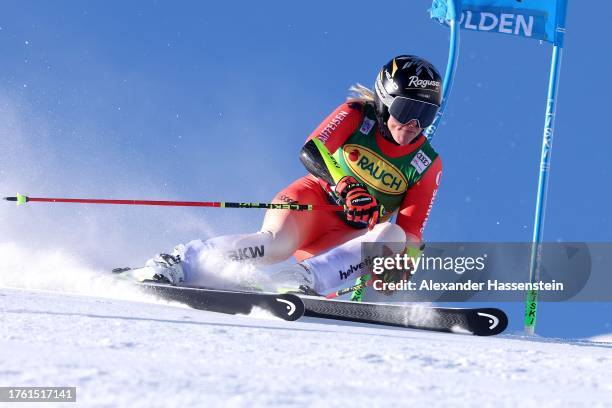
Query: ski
x,y
476,321
290,307
285,306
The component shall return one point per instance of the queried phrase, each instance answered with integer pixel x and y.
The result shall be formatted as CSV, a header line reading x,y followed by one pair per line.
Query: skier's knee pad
x,y
387,232
279,247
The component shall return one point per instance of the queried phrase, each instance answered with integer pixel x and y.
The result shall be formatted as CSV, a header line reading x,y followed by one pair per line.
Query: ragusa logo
x,y
415,81
374,170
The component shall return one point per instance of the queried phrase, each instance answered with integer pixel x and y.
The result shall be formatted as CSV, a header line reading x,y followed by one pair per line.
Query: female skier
x,y
370,156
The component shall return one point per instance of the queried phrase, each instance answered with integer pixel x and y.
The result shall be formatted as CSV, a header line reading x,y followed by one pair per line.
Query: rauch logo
x,y
374,170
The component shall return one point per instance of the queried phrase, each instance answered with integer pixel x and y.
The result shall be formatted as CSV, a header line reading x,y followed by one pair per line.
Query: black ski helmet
x,y
408,87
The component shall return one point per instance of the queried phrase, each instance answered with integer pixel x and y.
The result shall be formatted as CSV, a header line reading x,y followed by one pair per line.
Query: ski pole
x,y
22,199
362,282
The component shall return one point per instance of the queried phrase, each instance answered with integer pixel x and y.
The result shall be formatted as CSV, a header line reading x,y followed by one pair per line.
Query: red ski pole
x,y
22,199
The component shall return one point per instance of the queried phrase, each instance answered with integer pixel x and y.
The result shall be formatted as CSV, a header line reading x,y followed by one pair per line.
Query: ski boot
x,y
163,268
296,279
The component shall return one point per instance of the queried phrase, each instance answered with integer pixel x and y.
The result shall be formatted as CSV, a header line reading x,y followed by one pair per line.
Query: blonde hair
x,y
360,93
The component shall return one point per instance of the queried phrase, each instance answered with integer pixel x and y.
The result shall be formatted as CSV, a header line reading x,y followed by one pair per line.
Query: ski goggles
x,y
406,109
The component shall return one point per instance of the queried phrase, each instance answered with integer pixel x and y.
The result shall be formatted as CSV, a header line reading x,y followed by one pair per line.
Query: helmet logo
x,y
391,81
422,83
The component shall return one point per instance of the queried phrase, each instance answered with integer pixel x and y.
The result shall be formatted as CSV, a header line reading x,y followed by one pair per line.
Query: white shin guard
x,y
232,261
345,263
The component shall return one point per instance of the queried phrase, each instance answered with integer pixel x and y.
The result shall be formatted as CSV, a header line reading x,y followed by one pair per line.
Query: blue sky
x,y
212,101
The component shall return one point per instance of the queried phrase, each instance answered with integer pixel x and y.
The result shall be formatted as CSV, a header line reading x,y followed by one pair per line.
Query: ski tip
x,y
489,322
20,199
290,307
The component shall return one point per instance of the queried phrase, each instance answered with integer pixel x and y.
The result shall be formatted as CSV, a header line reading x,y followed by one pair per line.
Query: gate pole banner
x,y
539,19
542,20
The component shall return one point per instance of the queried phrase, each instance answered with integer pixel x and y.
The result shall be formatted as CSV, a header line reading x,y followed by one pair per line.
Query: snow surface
x,y
64,323
122,352
602,338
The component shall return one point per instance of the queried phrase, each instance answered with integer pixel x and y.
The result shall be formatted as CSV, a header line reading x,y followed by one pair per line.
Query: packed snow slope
x,y
138,352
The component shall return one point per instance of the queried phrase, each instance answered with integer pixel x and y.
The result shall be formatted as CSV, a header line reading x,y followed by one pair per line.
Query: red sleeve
x,y
339,125
417,204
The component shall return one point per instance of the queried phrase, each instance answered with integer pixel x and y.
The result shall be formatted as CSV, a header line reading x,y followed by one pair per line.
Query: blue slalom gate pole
x,y
451,67
536,249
